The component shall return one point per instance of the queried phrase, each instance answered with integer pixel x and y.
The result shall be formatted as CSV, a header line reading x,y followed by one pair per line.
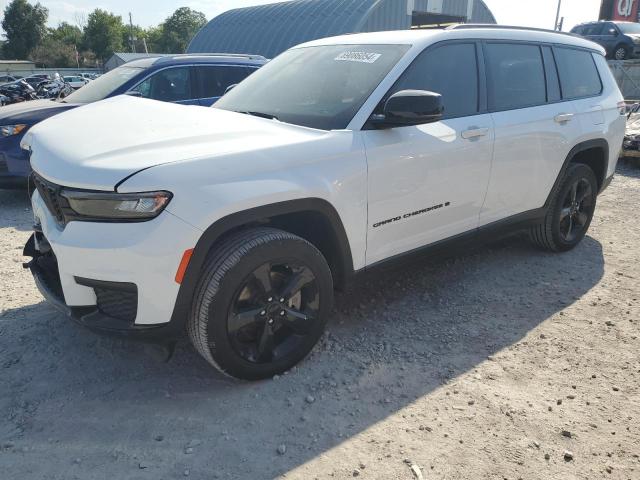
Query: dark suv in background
x,y
621,40
186,79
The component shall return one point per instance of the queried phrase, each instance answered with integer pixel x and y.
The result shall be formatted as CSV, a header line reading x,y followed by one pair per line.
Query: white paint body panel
x,y
217,163
415,168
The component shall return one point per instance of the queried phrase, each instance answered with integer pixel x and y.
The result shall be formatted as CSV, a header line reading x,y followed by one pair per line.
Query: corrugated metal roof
x,y
270,29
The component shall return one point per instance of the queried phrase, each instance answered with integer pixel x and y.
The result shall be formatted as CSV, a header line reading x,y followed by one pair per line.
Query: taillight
x,y
622,108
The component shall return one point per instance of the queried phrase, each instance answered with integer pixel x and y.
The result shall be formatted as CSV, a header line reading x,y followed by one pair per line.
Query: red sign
x,y
625,10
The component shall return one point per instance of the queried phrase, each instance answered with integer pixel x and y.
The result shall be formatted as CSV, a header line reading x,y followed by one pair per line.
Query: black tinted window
x,y
170,85
516,76
593,29
451,71
578,73
214,80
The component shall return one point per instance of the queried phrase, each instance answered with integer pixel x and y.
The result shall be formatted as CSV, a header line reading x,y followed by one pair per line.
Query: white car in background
x,y
76,81
235,223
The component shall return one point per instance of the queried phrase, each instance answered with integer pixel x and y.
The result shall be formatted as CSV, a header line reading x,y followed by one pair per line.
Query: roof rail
x,y
463,26
242,55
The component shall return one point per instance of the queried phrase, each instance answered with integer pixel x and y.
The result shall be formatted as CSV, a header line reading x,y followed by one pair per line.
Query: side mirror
x,y
229,88
410,107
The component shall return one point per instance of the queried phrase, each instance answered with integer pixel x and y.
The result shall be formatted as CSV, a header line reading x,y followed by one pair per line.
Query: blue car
x,y
185,79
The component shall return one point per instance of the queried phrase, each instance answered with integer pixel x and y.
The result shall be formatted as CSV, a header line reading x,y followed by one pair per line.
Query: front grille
x,y
50,193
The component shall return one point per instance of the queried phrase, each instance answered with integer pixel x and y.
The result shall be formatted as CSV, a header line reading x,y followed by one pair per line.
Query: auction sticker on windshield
x,y
363,57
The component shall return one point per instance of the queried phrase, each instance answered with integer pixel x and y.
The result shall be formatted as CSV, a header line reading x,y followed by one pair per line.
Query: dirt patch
x,y
502,363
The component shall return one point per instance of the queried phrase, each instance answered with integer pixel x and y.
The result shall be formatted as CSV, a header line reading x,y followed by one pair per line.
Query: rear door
x,y
581,84
534,128
213,80
427,182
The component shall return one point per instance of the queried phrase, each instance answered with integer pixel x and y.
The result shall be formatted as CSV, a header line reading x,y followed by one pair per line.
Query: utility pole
x,y
131,37
557,24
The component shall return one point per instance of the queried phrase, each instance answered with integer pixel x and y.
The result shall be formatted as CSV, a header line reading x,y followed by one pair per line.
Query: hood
x,y
100,144
31,112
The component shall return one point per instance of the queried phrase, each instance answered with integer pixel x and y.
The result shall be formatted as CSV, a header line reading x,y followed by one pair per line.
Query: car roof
x,y
423,38
201,58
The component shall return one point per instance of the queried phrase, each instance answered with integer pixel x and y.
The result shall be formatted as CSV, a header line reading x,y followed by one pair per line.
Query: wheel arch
x,y
313,219
593,153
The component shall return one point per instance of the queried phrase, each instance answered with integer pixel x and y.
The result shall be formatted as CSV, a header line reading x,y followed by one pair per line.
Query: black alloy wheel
x,y
577,209
570,211
273,311
261,304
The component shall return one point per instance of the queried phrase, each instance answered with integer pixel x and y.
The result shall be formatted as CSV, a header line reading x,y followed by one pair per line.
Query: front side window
x,y
516,76
578,73
214,80
450,70
320,87
169,85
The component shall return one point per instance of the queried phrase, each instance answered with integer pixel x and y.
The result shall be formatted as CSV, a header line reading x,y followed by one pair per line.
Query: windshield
x,y
632,28
103,86
319,87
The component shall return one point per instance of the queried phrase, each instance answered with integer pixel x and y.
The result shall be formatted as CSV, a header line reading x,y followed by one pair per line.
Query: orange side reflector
x,y
184,263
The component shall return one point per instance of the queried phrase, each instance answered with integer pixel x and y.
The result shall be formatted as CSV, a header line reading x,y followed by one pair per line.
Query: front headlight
x,y
10,130
116,206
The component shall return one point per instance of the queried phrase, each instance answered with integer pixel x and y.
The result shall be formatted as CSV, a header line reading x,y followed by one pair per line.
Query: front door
x,y
428,182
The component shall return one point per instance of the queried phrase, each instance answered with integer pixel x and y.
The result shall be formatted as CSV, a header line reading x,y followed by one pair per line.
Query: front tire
x,y
261,303
620,53
570,213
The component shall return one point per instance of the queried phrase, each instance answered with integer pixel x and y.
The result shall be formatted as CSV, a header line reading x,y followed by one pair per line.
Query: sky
x,y
532,13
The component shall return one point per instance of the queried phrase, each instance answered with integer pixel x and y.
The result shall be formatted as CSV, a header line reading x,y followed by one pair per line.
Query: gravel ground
x,y
504,363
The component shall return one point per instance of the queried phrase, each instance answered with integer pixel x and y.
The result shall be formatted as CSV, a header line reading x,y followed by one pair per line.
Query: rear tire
x,y
261,303
570,213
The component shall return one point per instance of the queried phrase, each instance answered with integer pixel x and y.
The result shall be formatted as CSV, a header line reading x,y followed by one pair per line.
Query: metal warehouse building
x,y
270,29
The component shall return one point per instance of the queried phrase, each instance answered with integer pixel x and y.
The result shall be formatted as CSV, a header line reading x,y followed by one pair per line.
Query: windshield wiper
x,y
261,115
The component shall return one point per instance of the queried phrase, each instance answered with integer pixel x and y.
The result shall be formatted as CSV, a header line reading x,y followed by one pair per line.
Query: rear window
x,y
516,76
579,75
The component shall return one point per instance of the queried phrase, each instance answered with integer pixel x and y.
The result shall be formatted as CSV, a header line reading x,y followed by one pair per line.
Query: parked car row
x,y
233,224
621,40
184,79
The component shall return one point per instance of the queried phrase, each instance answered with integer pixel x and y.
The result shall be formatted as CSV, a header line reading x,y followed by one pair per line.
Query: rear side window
x,y
593,29
578,73
450,70
215,79
516,76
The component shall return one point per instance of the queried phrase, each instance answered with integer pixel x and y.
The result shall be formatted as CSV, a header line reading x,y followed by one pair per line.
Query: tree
x,y
103,34
25,26
52,52
67,34
179,29
154,36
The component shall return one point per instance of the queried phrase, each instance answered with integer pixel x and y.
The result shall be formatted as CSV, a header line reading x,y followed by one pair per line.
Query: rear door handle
x,y
475,133
563,118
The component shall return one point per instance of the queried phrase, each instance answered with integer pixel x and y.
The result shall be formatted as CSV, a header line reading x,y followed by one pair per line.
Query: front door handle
x,y
563,118
475,133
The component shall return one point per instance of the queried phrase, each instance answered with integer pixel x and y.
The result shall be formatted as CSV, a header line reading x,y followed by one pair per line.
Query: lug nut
x,y
263,313
282,300
270,299
282,313
270,322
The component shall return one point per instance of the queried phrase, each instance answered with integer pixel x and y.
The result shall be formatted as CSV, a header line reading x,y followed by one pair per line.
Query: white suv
x,y
235,223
